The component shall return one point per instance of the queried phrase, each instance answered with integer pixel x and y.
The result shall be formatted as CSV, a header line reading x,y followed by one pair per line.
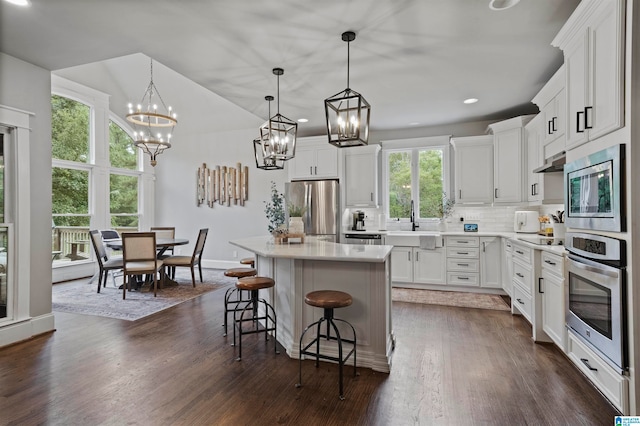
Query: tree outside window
x,y
123,201
123,154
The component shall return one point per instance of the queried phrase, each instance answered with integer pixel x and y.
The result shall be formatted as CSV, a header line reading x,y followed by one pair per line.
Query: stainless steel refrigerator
x,y
321,200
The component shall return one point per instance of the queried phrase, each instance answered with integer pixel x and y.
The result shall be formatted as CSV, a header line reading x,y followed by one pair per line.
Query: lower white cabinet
x,y
463,261
490,262
553,301
507,267
415,265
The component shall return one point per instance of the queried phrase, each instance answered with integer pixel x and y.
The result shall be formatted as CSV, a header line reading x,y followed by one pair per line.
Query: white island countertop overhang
x,y
315,250
363,271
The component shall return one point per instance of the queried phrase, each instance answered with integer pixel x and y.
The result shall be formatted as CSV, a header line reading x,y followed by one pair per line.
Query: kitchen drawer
x,y
463,265
522,253
463,241
613,385
463,278
508,245
463,252
552,263
523,275
522,301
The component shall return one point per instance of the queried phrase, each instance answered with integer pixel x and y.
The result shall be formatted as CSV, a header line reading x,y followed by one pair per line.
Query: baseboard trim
x,y
26,329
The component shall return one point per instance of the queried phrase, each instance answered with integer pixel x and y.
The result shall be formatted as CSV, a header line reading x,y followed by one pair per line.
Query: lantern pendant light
x,y
278,134
262,162
347,112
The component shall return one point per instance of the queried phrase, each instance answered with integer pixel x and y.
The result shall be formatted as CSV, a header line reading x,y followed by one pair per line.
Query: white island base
x,y
361,271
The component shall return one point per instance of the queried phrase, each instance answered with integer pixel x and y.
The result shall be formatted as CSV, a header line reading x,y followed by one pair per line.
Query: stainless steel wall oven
x,y
597,295
594,191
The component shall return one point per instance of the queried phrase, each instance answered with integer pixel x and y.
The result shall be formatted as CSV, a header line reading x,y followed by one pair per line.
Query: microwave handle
x,y
600,269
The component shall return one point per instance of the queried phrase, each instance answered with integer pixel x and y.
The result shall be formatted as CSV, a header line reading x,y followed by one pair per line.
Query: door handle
x,y
460,194
532,186
549,127
540,285
586,362
484,246
310,170
588,111
372,196
519,274
417,256
495,193
554,120
520,301
578,122
409,253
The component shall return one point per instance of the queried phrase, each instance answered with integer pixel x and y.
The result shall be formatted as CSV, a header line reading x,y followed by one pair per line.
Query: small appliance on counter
x,y
358,221
526,222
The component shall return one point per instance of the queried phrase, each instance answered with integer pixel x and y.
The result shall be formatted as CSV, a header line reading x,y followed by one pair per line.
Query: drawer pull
x,y
462,242
520,301
519,252
550,262
463,278
462,252
519,274
586,362
463,264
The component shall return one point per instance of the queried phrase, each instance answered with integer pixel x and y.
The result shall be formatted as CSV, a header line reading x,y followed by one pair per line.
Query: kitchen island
x,y
363,271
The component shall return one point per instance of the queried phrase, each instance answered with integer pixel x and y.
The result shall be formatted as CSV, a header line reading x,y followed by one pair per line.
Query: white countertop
x,y
314,250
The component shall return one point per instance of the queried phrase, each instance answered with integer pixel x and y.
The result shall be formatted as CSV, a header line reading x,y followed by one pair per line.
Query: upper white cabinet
x,y
552,101
593,44
361,176
473,159
542,188
509,160
315,159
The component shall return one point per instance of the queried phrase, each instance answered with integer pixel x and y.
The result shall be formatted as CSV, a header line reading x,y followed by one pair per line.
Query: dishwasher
x,y
368,239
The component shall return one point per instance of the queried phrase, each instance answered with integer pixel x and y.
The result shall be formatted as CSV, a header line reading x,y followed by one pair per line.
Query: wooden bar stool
x,y
248,261
328,300
253,285
231,303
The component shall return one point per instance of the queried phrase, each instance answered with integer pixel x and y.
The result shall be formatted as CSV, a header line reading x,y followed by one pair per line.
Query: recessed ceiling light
x,y
303,120
413,123
470,101
19,2
502,4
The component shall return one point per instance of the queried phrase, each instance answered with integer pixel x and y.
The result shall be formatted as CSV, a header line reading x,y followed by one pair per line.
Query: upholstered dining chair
x,y
190,261
168,232
105,264
139,257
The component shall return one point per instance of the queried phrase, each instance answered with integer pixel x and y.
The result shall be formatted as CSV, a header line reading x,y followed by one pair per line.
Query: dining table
x,y
162,244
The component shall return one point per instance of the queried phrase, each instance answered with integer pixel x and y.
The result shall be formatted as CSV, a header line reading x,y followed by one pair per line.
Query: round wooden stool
x,y
253,285
328,300
248,261
231,303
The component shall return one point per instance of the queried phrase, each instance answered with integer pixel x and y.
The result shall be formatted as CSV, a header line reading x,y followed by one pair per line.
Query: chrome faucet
x,y
413,218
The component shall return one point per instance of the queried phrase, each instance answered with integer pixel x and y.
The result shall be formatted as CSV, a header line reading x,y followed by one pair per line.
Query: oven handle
x,y
600,269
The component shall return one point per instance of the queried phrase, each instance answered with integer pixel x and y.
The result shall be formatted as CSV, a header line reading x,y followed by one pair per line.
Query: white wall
x,y
27,87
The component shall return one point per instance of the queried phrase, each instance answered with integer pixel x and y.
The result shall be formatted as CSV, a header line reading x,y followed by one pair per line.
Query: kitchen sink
x,y
418,233
409,238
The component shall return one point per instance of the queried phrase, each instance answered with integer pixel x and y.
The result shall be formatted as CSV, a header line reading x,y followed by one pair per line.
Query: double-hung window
x,y
418,171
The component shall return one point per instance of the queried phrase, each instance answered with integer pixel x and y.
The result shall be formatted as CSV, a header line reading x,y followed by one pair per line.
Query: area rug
x,y
80,297
449,298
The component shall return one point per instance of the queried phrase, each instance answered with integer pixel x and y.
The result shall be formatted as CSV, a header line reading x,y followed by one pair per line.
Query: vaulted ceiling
x,y
415,61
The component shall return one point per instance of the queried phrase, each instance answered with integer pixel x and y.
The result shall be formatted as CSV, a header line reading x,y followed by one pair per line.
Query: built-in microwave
x,y
594,191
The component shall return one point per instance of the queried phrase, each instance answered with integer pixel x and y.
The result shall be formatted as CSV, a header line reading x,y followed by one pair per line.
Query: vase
x,y
296,225
442,225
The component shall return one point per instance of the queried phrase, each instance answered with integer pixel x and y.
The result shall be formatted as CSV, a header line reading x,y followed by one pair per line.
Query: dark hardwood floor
x,y
451,366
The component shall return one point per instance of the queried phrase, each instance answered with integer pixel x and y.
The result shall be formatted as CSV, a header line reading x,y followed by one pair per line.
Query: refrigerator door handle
x,y
307,204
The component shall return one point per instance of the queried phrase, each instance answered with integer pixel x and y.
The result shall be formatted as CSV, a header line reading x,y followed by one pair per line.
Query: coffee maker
x,y
358,221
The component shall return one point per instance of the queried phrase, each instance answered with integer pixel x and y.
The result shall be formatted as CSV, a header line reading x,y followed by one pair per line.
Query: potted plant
x,y
274,210
296,225
445,209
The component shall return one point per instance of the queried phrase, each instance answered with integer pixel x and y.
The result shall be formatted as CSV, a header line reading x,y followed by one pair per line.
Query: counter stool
x,y
253,285
240,297
328,300
248,261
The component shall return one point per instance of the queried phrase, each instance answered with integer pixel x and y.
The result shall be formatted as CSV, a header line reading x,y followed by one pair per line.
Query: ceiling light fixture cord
x,y
348,61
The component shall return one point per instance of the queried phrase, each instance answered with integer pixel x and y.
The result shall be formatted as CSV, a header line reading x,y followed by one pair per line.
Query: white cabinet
x,y
315,159
544,188
509,160
463,261
593,44
415,265
507,267
490,262
473,163
361,176
553,301
553,115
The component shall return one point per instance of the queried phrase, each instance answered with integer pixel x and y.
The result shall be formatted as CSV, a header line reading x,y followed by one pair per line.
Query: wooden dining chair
x,y
105,264
168,232
139,257
190,261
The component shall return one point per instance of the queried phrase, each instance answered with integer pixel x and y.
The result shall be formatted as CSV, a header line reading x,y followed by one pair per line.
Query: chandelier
x,y
347,112
278,134
262,162
153,122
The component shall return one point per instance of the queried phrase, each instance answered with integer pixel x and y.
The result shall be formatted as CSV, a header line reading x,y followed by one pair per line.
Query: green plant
x,y
274,209
296,211
446,208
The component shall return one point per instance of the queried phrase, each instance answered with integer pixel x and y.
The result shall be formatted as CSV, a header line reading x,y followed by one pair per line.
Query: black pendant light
x,y
262,162
278,134
347,112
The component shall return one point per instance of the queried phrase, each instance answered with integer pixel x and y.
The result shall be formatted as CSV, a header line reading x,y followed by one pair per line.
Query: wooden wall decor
x,y
222,184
